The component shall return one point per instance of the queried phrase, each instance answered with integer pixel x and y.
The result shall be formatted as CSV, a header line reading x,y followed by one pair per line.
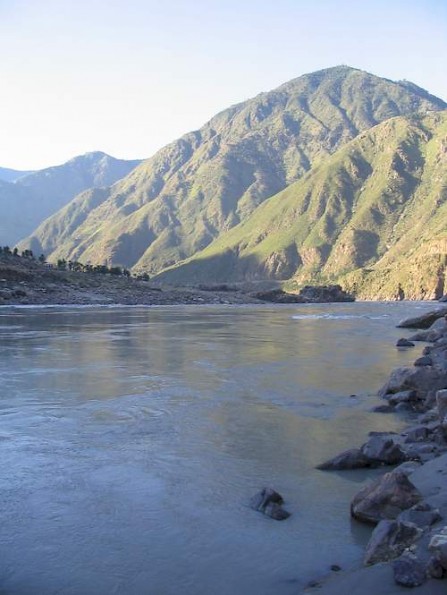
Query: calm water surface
x,y
132,439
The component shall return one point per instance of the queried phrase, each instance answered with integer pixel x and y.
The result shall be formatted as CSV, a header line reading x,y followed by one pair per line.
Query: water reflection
x,y
133,438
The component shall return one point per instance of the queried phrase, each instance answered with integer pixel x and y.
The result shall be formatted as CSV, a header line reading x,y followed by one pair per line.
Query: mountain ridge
x,y
180,200
31,198
378,204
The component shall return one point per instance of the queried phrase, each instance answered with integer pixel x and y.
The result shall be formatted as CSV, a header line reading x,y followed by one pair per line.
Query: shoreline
x,y
419,453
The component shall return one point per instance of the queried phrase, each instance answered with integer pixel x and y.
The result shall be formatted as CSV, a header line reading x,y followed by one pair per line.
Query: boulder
x,y
441,404
403,396
439,325
404,343
409,571
425,360
424,320
389,539
384,498
438,547
422,379
434,568
417,434
349,459
422,515
269,502
383,450
420,336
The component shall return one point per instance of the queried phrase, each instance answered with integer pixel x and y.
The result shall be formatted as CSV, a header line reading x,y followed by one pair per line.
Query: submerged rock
x,y
269,502
404,343
385,498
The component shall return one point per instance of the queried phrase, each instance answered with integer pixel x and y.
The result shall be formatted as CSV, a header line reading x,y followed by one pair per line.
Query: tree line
x,y
74,265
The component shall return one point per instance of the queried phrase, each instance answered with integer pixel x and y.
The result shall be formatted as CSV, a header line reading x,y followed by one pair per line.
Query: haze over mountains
x,y
315,180
30,197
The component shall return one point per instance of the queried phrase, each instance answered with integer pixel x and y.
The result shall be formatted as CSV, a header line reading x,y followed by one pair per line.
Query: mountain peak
x,y
191,191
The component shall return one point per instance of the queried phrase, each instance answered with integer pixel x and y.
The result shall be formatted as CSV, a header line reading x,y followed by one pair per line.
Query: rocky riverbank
x,y
25,281
407,505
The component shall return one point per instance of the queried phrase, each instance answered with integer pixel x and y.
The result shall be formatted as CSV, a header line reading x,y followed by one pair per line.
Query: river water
x,y
132,440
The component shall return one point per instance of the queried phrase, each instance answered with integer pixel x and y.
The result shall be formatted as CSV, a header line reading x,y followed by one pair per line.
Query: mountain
x,y
373,215
200,186
11,175
32,198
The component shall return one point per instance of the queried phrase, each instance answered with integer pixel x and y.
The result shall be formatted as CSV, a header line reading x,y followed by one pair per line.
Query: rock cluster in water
x,y
408,505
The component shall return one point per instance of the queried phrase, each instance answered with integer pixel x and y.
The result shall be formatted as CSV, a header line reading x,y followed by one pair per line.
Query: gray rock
x,y
409,571
425,360
422,515
434,568
404,407
389,539
404,396
422,379
402,342
438,546
269,502
384,450
441,404
429,416
424,320
384,498
349,459
421,336
417,434
439,325
276,512
408,467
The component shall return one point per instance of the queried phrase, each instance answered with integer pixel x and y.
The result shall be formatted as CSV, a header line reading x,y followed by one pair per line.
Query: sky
x,y
129,76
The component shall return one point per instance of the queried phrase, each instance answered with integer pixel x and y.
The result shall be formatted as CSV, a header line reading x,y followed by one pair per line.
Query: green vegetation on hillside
x,y
194,190
372,216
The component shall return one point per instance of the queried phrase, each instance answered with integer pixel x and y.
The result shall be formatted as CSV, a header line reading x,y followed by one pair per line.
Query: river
x,y
132,440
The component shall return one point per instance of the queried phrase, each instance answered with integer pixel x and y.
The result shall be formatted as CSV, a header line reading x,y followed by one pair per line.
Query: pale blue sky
x,y
129,76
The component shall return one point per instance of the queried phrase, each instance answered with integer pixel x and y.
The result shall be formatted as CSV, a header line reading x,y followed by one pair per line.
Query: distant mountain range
x,y
11,175
335,175
28,198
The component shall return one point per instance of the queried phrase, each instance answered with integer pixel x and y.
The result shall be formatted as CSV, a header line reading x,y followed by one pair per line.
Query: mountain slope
x,y
184,197
32,198
11,175
378,204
